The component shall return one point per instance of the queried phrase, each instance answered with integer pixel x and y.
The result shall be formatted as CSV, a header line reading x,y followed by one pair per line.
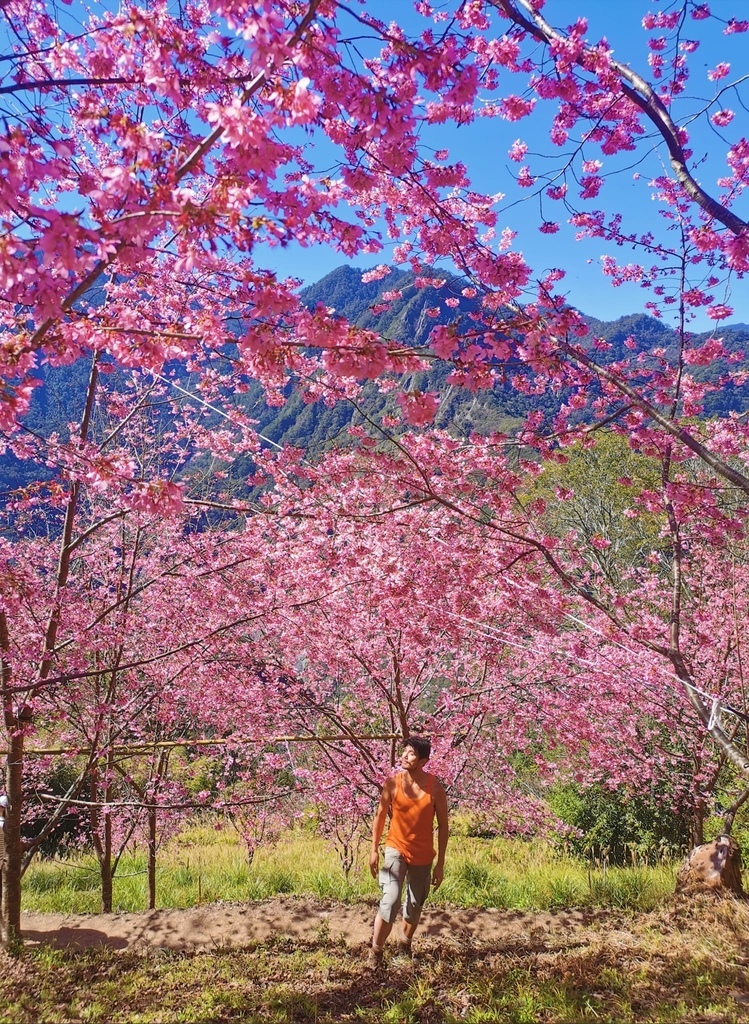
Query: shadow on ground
x,y
307,962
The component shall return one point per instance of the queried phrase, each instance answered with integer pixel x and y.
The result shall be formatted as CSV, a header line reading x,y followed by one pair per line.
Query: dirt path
x,y
219,962
220,925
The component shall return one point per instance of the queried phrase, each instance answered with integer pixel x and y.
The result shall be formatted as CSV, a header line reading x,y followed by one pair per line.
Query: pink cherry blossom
x,y
517,151
721,70
513,108
419,408
722,118
719,312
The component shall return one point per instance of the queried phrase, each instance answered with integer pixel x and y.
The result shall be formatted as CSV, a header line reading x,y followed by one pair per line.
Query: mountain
x,y
408,318
651,333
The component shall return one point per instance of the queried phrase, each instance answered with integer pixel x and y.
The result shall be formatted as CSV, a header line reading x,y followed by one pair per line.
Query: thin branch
x,y
58,83
639,92
221,741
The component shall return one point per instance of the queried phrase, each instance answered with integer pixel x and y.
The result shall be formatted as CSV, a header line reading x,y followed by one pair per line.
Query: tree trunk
x,y
102,842
152,858
12,868
106,867
697,825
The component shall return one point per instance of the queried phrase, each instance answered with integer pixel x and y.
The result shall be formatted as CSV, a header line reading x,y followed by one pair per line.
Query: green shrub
x,y
617,827
71,834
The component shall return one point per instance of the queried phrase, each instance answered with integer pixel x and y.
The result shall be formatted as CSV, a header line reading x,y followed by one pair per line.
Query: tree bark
x,y
105,867
697,825
12,865
12,861
151,858
102,840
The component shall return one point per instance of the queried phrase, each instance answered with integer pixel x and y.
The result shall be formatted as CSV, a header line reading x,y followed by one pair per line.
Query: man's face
x,y
410,759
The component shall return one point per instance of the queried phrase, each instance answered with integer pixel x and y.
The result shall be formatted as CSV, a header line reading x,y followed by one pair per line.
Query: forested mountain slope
x,y
409,318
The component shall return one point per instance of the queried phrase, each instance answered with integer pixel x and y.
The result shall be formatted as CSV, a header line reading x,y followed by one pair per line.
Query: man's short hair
x,y
421,745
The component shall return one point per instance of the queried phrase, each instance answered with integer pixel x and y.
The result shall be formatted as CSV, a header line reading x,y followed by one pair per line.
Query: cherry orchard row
x,y
393,577
145,155
409,588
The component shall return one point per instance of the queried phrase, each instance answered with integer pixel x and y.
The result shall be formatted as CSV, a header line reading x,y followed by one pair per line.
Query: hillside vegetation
x,y
408,318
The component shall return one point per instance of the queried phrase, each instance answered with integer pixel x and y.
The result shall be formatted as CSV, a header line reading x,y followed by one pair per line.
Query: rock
x,y
714,867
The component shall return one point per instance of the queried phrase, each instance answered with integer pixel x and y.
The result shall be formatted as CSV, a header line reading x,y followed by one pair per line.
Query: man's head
x,y
421,746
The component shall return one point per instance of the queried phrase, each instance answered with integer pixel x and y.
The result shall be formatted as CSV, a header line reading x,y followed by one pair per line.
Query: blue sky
x,y
483,146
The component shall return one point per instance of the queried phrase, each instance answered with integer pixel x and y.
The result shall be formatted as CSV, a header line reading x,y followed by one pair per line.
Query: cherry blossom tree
x,y
115,606
153,645
467,611
148,156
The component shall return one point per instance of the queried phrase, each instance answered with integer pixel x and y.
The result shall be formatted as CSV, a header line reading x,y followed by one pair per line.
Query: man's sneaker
x,y
374,959
404,948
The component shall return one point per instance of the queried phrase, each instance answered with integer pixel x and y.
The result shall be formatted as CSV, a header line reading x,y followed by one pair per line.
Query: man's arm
x,y
378,826
443,833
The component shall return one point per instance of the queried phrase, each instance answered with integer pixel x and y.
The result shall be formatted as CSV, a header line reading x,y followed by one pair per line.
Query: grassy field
x,y
638,958
658,967
205,865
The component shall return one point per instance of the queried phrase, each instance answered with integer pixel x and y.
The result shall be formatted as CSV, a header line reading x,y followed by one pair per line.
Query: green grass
x,y
638,960
660,968
205,865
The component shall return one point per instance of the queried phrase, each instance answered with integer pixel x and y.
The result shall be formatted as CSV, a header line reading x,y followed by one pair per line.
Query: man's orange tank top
x,y
411,829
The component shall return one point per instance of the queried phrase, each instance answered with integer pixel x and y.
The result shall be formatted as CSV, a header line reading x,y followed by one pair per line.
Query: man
x,y
413,797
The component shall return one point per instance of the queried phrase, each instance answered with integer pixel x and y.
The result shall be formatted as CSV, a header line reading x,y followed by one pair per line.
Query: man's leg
x,y
381,931
417,889
391,878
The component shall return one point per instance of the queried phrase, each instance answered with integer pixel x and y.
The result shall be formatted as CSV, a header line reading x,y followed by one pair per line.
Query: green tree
x,y
594,491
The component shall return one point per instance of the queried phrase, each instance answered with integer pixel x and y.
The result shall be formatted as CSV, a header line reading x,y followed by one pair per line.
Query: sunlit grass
x,y
673,964
630,965
204,865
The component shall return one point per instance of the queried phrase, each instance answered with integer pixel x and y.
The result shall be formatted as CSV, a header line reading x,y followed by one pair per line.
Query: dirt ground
x,y
222,925
297,959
